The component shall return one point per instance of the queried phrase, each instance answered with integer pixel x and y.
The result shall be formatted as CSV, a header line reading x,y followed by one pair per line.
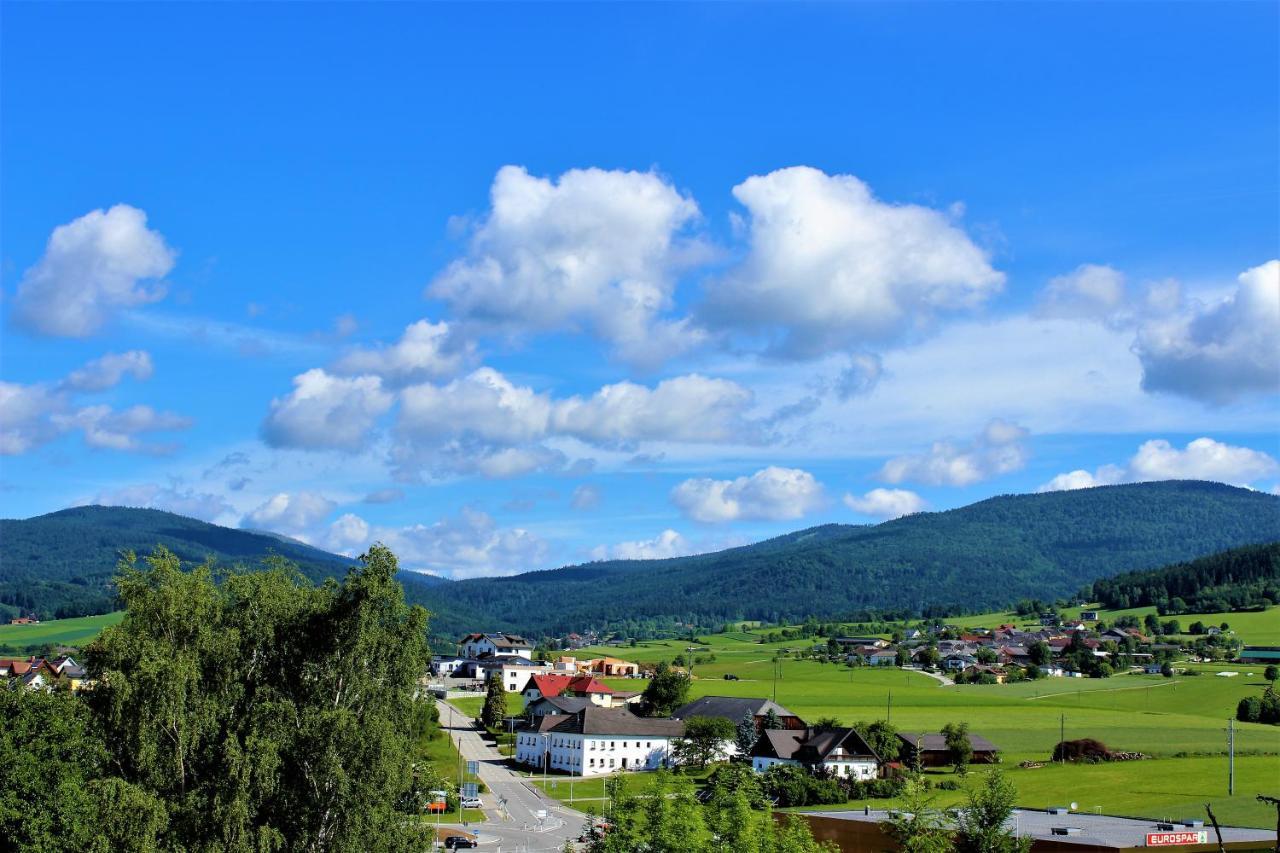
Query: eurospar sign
x,y
1172,839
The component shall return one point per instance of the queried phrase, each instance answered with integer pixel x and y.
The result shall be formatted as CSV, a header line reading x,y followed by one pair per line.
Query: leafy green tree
x,y
495,703
1271,673
667,690
745,734
704,738
959,748
985,655
664,818
53,794
918,826
825,724
266,713
981,823
882,737
772,720
1041,653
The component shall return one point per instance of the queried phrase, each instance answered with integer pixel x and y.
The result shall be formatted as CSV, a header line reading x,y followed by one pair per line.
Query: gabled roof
x,y
586,684
594,720
563,704
549,684
502,641
937,742
731,708
811,746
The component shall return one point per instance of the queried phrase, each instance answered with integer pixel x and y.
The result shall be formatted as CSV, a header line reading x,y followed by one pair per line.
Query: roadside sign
x,y
1171,839
473,767
470,789
540,814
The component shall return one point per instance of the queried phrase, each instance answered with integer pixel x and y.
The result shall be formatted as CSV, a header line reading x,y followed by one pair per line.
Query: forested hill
x,y
978,557
60,564
975,558
1239,579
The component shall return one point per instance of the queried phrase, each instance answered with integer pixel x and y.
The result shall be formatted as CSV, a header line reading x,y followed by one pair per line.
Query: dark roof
x,y
502,641
730,707
618,721
564,704
937,742
811,746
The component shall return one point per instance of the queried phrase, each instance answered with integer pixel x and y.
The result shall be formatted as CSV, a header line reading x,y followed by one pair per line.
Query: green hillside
x,y
60,565
980,557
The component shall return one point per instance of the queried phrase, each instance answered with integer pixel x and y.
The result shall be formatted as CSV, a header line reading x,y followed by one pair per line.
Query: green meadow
x,y
1181,722
65,632
1253,627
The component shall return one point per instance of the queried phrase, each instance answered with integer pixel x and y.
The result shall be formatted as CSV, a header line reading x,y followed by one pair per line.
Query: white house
x,y
842,752
596,741
479,646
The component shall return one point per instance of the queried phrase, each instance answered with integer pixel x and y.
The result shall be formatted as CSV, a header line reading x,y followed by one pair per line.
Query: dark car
x,y
729,676
459,842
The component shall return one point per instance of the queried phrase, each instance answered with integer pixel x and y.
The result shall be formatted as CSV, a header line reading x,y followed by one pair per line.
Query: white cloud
x,y
107,371
31,415
861,376
467,545
594,249
93,266
324,411
1157,459
425,351
293,514
109,429
831,267
1090,291
586,497
174,497
1218,352
998,449
666,544
348,535
886,503
771,493
484,422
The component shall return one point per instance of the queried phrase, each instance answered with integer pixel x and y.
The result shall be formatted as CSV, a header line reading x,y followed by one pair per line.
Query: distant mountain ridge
x,y
982,556
61,563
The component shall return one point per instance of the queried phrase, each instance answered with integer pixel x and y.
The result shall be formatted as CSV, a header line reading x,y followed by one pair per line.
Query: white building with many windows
x,y
480,646
841,752
596,741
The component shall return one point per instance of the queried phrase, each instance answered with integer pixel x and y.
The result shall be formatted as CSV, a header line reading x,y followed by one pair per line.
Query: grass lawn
x,y
589,792
1181,721
442,754
472,706
1254,628
66,632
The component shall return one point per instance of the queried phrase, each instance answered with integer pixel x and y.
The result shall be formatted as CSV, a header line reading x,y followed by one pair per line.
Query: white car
x,y
472,803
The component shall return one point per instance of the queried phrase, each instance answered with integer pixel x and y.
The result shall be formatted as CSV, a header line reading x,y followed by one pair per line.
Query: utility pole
x,y
1062,736
888,709
1231,758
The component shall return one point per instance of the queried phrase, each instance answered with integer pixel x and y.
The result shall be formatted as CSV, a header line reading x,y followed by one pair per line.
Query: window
x,y
610,762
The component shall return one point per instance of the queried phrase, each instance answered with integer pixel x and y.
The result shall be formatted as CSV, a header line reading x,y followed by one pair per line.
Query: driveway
x,y
513,826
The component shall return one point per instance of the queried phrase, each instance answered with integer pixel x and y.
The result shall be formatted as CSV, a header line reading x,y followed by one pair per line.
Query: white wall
x,y
843,769
593,755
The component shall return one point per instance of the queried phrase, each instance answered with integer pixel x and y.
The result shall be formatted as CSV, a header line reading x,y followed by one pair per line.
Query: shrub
x,y
1084,749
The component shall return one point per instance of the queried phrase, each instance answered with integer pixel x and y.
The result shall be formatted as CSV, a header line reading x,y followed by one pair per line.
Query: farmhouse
x,y
734,709
479,646
610,667
558,685
930,749
1260,654
595,741
841,752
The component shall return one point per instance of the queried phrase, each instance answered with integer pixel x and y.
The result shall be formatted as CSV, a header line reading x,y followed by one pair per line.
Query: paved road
x,y
516,830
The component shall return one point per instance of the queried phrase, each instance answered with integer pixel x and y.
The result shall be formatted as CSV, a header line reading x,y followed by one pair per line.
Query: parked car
x,y
459,842
729,676
472,803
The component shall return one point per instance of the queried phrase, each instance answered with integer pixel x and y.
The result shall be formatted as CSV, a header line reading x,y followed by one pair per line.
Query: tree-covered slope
x,y
60,564
1239,579
982,556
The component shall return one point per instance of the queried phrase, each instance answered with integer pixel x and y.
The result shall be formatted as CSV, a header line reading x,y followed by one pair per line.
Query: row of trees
x,y
249,711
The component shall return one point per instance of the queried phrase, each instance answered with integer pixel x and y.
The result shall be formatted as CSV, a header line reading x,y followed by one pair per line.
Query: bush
x,y
1084,749
1249,710
948,785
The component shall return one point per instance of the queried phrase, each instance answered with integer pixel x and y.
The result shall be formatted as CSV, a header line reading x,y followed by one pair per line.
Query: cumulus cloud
x,y
31,415
424,352
1091,291
326,412
998,449
293,514
109,370
470,544
771,493
348,535
666,544
586,497
174,497
593,249
484,422
1157,459
1220,351
93,266
886,503
831,267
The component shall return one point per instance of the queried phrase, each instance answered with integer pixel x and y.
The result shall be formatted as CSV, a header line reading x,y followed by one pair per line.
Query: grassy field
x,y
472,706
443,755
1254,628
1181,721
66,632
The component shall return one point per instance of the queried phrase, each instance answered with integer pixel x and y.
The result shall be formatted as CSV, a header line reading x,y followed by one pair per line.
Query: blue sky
x,y
515,286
